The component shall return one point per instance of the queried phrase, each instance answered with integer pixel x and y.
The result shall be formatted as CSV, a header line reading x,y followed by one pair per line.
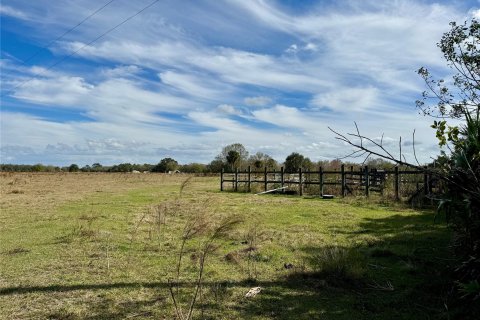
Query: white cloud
x,y
114,144
193,85
475,13
242,67
114,100
227,65
258,101
214,121
151,54
292,49
228,109
310,47
374,40
66,91
12,12
121,71
287,117
346,100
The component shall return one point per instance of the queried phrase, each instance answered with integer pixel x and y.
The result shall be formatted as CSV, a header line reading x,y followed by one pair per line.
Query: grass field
x,y
106,246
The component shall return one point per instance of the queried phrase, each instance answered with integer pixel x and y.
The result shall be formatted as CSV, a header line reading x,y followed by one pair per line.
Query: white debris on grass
x,y
253,292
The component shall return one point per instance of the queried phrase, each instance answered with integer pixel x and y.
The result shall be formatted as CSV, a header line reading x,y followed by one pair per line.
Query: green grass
x,y
110,255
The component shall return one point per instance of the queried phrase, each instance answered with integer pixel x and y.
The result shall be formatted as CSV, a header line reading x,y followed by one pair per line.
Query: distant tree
x,y
38,167
260,160
29,168
233,158
379,163
97,167
308,164
330,164
52,168
165,165
296,161
86,168
193,168
237,147
122,167
73,168
216,165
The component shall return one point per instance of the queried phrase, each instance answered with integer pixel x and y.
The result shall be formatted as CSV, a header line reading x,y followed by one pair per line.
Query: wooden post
x,y
397,184
300,182
367,182
236,179
320,180
352,177
360,176
249,176
282,178
221,180
425,182
274,175
343,180
265,176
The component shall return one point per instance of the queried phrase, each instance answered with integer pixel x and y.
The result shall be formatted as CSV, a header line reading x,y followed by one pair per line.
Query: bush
x,y
165,165
339,264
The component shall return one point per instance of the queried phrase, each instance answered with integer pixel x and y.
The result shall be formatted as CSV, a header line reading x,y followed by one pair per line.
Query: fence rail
x,y
364,179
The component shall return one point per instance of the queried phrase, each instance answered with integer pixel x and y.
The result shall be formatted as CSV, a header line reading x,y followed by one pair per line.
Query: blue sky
x,y
185,78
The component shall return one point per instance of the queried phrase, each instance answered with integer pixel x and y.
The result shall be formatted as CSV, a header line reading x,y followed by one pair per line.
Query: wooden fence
x,y
364,180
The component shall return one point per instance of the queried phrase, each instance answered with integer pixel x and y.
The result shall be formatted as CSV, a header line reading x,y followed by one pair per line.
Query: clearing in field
x,y
153,246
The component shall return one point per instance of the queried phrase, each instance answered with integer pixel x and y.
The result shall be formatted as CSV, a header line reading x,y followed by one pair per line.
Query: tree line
x,y
232,157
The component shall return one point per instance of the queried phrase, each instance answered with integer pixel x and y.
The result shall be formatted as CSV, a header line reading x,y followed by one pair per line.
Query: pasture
x,y
107,246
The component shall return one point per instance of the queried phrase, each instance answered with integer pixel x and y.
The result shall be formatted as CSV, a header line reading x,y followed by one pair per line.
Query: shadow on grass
x,y
406,262
288,298
107,286
406,259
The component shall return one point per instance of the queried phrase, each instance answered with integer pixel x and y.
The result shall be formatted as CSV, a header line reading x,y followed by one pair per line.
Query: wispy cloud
x,y
259,101
12,12
228,109
347,100
185,78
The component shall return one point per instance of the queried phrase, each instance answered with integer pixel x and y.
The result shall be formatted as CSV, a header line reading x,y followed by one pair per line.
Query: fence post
x,y
397,184
236,179
221,180
425,182
300,182
320,180
352,177
282,179
360,176
343,179
265,179
249,176
367,181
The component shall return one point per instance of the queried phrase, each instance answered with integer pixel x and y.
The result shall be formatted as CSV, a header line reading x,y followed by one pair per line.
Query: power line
x,y
86,45
67,32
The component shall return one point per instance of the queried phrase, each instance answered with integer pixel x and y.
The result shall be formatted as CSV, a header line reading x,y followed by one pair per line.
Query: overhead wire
x,y
85,45
36,53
